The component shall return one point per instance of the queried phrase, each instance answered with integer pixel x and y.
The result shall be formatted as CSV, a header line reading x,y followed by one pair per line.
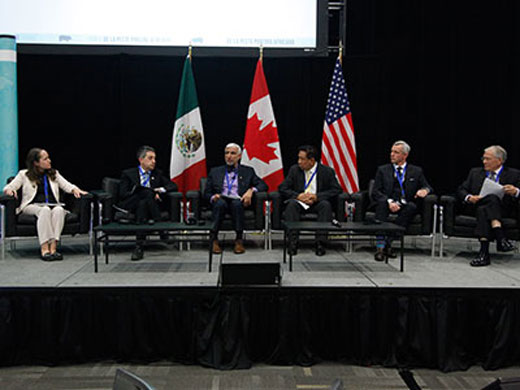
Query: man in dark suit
x,y
309,188
399,187
230,189
490,209
140,192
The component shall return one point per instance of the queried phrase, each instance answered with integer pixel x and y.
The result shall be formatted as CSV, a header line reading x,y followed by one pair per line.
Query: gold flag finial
x,y
261,52
341,52
189,51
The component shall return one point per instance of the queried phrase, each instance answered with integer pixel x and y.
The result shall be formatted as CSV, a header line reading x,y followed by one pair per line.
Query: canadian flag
x,y
261,143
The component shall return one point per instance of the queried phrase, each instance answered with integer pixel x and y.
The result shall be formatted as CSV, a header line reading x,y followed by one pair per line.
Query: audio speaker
x,y
250,274
504,384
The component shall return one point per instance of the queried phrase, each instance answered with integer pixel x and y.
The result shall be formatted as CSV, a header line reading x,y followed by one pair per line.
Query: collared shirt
x,y
230,183
312,187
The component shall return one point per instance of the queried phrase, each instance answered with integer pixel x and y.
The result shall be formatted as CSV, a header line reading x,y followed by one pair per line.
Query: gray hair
x,y
141,152
234,145
406,147
498,151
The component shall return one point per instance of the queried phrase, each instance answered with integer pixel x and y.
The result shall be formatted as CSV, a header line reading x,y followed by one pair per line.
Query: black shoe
x,y
504,245
320,249
481,260
388,252
57,256
47,257
380,255
138,253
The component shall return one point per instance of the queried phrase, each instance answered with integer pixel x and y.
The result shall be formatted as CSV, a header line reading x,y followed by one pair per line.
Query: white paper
x,y
304,205
490,187
229,196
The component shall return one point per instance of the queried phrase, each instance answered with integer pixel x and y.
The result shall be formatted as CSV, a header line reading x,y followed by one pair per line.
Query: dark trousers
x,y
143,205
404,215
485,210
232,206
323,209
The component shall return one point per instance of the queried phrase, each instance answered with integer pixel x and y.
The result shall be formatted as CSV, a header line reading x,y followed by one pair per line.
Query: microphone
x,y
336,223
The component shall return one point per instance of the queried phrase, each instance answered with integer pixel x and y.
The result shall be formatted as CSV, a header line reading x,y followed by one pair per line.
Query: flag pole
x,y
340,56
261,52
189,51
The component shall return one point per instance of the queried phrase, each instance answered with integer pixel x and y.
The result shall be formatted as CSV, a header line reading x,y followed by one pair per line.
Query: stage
x,y
439,313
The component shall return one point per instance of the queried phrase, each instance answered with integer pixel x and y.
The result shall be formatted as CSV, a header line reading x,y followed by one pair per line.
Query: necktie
x,y
492,176
145,179
400,171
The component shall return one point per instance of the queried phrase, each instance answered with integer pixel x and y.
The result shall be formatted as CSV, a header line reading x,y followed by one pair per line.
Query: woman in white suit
x,y
41,186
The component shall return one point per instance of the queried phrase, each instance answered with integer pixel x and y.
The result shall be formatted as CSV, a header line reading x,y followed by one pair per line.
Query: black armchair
x,y
15,227
254,218
108,200
423,224
454,222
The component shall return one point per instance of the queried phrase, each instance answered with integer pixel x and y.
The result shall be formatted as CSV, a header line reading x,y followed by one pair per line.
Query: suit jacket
x,y
414,180
131,181
247,179
29,188
476,176
327,186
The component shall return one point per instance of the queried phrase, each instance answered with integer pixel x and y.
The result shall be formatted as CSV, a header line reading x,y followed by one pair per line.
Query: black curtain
x,y
227,329
442,75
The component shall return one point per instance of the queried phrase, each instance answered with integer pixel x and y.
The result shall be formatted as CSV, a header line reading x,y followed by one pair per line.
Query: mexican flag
x,y
261,143
188,157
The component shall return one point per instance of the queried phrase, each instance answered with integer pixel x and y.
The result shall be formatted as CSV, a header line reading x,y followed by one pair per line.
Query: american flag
x,y
338,148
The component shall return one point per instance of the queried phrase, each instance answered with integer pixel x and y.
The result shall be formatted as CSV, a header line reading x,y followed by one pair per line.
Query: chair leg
x,y
441,231
434,229
2,230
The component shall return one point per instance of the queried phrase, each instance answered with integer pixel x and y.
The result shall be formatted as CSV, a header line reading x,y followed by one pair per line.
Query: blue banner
x,y
8,109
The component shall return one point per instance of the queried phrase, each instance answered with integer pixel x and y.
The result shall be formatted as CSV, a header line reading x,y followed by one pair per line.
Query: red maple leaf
x,y
256,141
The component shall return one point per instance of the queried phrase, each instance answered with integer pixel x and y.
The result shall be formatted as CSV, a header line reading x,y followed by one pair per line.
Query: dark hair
x,y
141,152
33,174
310,151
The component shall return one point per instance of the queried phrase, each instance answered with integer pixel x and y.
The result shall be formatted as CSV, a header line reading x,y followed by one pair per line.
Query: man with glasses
x,y
490,209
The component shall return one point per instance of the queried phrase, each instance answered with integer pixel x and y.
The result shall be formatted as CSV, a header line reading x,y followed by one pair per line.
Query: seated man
x,y
140,192
230,188
309,188
398,188
490,209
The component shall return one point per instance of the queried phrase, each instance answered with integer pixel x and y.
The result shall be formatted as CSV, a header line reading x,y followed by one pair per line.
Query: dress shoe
x,y
57,256
320,249
46,257
138,253
239,247
481,260
504,245
380,255
150,221
216,248
389,252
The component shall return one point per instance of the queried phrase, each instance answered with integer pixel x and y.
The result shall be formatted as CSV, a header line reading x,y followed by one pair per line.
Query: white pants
x,y
49,221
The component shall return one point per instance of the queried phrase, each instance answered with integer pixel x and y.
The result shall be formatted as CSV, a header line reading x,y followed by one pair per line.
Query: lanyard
x,y
400,179
147,177
307,184
230,184
497,176
46,188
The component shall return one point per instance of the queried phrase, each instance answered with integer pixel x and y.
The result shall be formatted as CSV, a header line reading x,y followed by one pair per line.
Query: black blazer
x,y
476,176
414,180
131,181
247,179
294,184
